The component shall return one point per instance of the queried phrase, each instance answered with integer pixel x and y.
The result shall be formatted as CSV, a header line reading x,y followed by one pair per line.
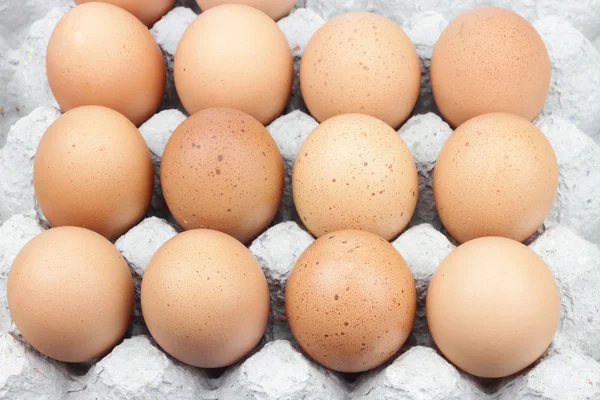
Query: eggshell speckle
x,y
275,9
205,299
489,60
93,169
146,11
70,294
493,307
100,54
497,175
234,56
355,172
360,63
351,301
222,170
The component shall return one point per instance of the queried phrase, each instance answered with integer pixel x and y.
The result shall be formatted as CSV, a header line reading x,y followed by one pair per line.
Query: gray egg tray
x,y
277,369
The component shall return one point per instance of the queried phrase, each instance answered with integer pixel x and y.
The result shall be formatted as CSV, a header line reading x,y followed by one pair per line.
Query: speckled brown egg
x,y
100,54
70,294
355,172
489,60
205,298
364,63
222,170
234,56
493,307
497,175
351,301
146,11
93,169
275,9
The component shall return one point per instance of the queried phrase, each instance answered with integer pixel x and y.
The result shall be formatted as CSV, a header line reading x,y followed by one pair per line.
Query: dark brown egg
x,y
351,301
222,170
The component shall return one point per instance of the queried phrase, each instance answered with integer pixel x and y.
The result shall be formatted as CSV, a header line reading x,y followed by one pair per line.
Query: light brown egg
x,y
493,307
70,294
234,56
222,170
489,60
497,175
275,9
351,301
93,169
364,63
146,11
355,172
205,298
99,54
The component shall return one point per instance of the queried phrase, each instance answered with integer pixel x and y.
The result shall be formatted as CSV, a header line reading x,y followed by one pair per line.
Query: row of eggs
x,y
497,175
492,305
150,13
487,60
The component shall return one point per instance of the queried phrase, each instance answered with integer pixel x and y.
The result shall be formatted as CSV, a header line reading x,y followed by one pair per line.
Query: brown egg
x,y
205,299
351,301
234,56
146,11
355,172
489,60
99,54
275,9
497,175
361,63
70,294
93,169
493,307
222,170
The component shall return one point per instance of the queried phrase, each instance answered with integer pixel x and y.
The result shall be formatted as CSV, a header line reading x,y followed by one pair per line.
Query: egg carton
x,y
277,369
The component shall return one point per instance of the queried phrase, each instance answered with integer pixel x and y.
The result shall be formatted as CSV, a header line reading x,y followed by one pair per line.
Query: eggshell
x,y
489,60
234,56
93,169
70,294
275,9
222,170
493,307
100,54
351,301
146,11
497,175
205,298
364,63
355,172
